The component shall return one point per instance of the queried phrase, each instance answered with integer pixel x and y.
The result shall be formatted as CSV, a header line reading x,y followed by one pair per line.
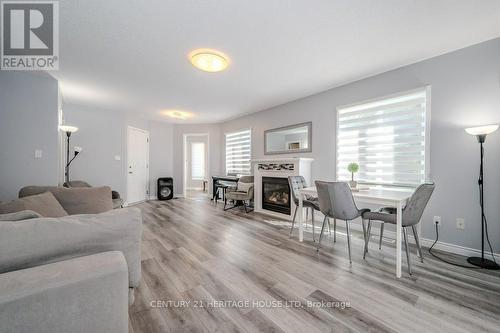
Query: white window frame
x,y
427,162
251,147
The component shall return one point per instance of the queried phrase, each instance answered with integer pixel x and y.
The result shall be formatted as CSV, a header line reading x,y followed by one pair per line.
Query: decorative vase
x,y
353,183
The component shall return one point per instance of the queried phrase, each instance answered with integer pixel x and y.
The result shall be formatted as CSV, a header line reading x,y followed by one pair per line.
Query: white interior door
x,y
138,165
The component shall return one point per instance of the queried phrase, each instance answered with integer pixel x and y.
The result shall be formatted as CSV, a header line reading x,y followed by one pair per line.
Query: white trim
x,y
153,197
178,195
425,242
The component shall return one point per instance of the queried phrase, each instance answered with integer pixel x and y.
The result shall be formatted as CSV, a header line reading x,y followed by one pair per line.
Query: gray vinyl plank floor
x,y
206,270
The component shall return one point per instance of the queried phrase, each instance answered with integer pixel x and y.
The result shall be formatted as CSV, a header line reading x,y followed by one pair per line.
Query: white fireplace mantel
x,y
281,168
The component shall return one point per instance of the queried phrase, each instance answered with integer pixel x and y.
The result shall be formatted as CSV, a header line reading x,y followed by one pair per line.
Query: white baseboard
x,y
425,242
179,195
194,188
153,197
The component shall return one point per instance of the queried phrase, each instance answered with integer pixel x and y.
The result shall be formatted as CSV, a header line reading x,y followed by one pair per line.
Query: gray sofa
x,y
69,274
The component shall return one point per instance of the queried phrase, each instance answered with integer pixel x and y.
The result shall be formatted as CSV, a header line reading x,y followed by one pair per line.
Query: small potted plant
x,y
353,168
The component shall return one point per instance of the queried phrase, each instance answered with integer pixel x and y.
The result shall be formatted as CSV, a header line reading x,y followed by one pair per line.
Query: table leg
x,y
301,217
399,227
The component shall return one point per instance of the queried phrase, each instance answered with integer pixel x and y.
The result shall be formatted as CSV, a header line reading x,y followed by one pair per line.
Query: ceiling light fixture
x,y
209,60
177,114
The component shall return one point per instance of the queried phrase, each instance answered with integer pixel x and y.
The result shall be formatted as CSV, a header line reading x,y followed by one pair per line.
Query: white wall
x,y
28,121
465,92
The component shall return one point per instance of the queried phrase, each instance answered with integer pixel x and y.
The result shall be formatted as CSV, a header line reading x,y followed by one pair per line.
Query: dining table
x,y
379,196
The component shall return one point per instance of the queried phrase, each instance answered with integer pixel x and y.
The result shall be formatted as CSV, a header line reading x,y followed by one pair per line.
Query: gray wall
x,y
160,153
28,121
103,135
465,92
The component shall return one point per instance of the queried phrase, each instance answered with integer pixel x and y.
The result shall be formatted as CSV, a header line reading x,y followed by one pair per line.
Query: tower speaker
x,y
165,188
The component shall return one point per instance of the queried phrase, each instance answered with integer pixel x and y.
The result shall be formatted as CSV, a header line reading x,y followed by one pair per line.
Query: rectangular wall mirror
x,y
288,139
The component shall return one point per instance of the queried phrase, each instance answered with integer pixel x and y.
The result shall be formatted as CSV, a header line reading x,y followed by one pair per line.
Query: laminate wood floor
x,y
243,273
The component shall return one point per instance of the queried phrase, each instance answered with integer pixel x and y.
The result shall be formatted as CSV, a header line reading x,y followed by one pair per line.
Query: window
x,y
197,160
238,152
387,138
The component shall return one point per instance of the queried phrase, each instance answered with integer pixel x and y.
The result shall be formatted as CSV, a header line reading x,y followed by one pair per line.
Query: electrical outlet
x,y
38,153
460,223
437,220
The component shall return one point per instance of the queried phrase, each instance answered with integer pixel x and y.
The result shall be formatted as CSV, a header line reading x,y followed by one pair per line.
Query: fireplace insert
x,y
276,195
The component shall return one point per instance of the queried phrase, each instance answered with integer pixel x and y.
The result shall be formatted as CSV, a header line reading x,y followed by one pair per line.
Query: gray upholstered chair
x,y
336,201
243,192
412,213
310,203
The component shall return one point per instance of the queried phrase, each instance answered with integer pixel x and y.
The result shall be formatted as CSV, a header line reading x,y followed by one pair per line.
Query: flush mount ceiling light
x,y
209,60
177,114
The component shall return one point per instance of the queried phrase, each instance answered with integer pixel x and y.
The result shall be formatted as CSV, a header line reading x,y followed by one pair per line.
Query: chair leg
x,y
321,234
293,220
417,240
348,239
312,221
364,237
225,203
368,234
381,235
334,230
329,227
405,234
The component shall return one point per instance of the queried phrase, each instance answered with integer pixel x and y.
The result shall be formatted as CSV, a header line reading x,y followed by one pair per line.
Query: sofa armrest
x,y
34,242
87,294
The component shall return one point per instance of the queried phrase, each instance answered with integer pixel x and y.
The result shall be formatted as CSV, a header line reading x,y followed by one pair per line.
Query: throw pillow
x,y
44,204
19,216
84,200
244,187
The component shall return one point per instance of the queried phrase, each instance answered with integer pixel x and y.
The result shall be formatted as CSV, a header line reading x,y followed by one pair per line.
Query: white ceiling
x,y
132,55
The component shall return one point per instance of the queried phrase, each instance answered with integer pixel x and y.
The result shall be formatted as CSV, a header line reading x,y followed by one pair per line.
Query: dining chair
x,y
336,201
310,203
412,213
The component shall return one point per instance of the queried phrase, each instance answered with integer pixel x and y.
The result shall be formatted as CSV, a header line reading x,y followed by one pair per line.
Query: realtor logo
x,y
30,35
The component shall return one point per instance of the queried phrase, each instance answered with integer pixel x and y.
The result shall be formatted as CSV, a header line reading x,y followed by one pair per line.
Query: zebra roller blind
x,y
238,152
387,138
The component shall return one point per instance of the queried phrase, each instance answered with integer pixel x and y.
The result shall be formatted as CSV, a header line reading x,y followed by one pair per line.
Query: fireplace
x,y
276,194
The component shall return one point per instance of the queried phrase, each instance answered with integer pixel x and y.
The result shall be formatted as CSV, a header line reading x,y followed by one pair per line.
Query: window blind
x,y
197,160
238,152
387,138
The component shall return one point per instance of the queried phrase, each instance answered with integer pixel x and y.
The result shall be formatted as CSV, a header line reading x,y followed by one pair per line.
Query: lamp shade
x,y
482,130
66,128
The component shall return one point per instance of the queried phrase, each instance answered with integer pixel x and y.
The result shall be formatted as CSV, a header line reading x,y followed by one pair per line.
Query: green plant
x,y
353,168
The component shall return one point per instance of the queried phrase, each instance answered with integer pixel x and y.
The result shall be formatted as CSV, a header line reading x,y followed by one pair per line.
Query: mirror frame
x,y
304,150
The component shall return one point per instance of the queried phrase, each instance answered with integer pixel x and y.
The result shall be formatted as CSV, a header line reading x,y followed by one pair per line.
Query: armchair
x,y
242,193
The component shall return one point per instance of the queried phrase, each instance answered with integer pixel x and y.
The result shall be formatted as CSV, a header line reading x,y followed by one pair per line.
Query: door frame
x,y
148,190
185,160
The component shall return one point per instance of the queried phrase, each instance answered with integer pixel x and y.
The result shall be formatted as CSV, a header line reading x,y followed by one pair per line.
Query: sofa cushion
x,y
244,187
84,200
44,204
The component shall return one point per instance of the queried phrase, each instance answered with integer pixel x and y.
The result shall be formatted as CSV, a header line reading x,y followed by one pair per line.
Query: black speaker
x,y
165,188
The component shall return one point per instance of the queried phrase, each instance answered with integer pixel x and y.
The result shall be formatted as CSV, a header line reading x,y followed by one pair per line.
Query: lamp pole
x,y
481,261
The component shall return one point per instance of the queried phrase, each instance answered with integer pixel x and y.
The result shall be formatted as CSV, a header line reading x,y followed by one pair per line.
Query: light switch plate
x,y
38,153
118,158
460,223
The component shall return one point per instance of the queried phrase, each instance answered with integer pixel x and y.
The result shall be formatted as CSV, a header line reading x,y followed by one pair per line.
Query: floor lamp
x,y
480,133
68,130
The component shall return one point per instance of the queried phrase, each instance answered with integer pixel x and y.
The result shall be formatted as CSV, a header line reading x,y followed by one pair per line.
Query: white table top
x,y
372,194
